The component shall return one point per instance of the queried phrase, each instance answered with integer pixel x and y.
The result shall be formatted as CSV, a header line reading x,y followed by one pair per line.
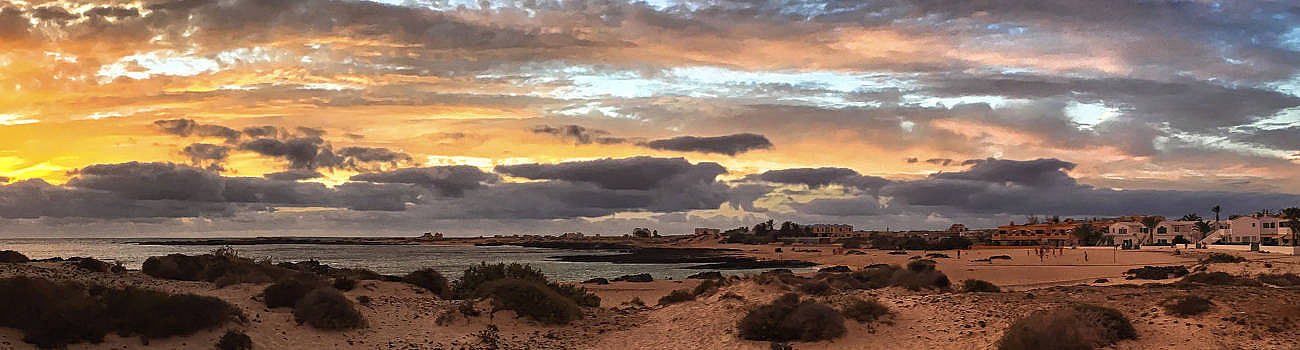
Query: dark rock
x,y
597,280
641,277
708,275
838,268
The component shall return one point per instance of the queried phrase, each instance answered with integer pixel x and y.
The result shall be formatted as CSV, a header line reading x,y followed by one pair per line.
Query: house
x,y
1125,233
1171,232
1052,233
830,230
701,231
957,228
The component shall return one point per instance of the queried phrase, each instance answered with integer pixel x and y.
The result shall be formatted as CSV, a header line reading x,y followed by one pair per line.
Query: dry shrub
x,y
708,287
1157,272
1075,327
345,284
1219,279
816,288
326,308
430,280
288,291
222,267
788,319
476,276
1213,258
864,310
1280,280
235,340
1186,305
578,294
979,286
56,314
532,299
677,296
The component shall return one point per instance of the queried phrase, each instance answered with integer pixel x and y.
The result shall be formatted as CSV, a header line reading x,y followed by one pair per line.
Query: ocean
x,y
385,259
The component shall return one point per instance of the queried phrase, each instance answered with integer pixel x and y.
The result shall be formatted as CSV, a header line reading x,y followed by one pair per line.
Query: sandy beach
x,y
401,316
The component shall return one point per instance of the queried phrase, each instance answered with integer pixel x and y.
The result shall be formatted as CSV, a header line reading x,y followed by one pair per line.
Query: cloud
x,y
578,134
822,177
213,155
448,180
1287,138
729,145
187,127
302,153
151,181
637,173
293,175
1032,173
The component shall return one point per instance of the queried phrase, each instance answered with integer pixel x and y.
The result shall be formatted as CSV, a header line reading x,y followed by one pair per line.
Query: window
x,y
1123,231
1162,230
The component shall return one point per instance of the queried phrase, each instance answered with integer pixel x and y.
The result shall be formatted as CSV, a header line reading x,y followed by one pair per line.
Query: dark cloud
x,y
151,181
264,132
113,12
579,134
353,156
293,175
447,180
1034,173
187,127
35,198
302,153
638,173
54,13
822,177
3,179
1287,138
201,153
729,145
939,161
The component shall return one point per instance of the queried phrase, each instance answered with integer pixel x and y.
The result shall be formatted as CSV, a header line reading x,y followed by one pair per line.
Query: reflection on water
x,y
395,259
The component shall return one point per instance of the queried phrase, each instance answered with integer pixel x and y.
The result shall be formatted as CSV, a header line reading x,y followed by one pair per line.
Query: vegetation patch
x,y
476,276
1157,272
677,296
532,299
836,269
788,319
1218,279
640,277
707,287
222,267
288,291
430,280
816,288
344,284
980,286
9,256
235,340
1214,258
1280,280
1079,326
326,308
1186,305
55,314
864,310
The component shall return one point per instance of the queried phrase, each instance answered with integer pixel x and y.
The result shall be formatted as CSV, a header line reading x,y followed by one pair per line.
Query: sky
x,y
323,117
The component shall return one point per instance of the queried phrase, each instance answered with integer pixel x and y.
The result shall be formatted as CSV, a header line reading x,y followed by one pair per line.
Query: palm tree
x,y
1084,233
1190,217
1205,228
1216,210
1151,222
1293,221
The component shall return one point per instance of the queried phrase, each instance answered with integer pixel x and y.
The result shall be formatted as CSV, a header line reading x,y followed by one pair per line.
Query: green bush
x,y
475,276
788,319
235,340
1186,305
430,280
1080,326
9,256
677,296
864,310
288,291
56,314
326,308
979,286
532,299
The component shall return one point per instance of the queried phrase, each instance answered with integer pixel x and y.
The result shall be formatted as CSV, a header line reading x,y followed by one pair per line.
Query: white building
x,y
1251,229
1167,232
1126,232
